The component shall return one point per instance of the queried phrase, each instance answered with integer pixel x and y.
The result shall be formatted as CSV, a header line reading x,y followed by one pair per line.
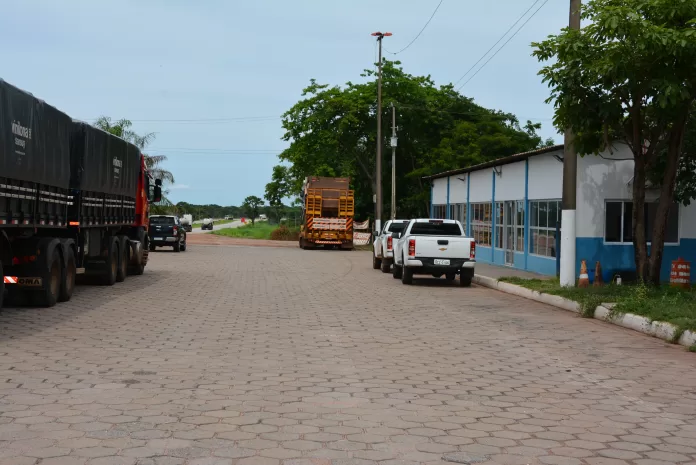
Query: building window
x,y
544,217
458,212
499,222
481,223
514,226
618,221
439,211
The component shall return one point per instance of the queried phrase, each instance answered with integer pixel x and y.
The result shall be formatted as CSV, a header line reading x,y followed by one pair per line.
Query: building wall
x,y
439,191
458,189
509,185
609,177
545,176
481,189
600,178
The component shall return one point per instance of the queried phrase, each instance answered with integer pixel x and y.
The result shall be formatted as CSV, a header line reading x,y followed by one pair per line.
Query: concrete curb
x,y
661,330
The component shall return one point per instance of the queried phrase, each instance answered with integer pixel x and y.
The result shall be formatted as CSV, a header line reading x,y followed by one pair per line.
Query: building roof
x,y
499,162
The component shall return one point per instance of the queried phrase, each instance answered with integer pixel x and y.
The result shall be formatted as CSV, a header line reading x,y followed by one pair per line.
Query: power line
x,y
503,46
421,31
499,40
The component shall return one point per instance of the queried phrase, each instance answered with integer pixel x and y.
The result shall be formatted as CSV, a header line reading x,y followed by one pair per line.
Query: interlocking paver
x,y
270,356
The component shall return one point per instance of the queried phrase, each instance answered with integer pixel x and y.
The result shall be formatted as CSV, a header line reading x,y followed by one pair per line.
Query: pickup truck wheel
x,y
177,245
386,266
183,246
376,262
465,281
450,276
396,271
407,275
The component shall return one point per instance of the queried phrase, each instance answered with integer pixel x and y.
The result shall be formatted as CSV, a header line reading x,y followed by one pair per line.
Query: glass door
x,y
510,235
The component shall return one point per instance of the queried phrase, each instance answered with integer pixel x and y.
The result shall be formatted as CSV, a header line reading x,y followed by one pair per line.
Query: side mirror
x,y
157,194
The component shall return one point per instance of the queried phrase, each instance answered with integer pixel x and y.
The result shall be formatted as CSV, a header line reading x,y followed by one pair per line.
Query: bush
x,y
283,233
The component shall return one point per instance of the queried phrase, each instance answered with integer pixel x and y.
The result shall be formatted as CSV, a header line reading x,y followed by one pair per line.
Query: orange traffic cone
x,y
584,280
598,275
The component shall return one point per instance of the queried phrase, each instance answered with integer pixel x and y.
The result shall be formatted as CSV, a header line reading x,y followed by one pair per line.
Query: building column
x,y
525,246
447,211
493,212
468,205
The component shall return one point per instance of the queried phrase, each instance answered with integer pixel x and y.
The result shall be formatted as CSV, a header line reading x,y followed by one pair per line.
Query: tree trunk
x,y
639,241
664,206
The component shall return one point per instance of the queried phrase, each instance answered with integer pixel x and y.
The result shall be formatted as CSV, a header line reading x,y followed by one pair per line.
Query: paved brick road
x,y
252,356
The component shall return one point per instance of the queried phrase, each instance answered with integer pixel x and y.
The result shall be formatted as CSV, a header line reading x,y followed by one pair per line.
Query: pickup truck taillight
x,y
411,247
175,230
472,251
389,243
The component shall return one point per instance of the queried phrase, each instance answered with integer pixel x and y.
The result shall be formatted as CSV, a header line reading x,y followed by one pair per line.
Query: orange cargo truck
x,y
328,207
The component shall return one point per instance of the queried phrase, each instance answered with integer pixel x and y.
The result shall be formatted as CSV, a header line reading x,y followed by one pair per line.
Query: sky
x,y
211,78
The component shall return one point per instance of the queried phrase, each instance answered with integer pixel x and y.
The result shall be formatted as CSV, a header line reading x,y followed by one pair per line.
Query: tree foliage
x,y
332,131
252,206
630,75
277,190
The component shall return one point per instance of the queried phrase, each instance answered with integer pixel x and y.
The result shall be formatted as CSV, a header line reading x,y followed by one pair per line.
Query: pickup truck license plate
x,y
441,262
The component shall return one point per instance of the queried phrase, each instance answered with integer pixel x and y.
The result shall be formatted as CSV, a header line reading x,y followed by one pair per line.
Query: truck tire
x,y
396,271
301,243
139,268
465,281
52,277
124,258
2,286
177,245
450,276
386,266
111,264
183,246
67,284
376,262
407,275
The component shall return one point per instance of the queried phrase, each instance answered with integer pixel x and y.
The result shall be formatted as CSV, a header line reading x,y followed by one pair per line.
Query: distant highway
x,y
234,224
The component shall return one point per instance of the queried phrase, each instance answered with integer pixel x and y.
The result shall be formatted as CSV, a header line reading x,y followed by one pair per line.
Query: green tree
x,y
332,132
630,75
251,206
278,189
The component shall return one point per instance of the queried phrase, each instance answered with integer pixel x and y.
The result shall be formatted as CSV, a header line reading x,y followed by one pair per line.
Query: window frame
x,y
479,227
623,203
546,228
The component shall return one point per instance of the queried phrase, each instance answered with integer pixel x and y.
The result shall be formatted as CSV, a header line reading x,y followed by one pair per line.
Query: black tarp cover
x,y
34,139
102,162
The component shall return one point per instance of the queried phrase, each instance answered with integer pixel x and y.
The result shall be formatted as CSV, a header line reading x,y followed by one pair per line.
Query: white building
x,y
512,207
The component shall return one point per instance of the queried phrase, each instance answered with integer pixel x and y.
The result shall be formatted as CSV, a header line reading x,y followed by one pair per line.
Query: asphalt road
x,y
234,224
279,356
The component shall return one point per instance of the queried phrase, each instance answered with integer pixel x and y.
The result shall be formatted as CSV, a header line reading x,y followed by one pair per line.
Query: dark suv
x,y
167,231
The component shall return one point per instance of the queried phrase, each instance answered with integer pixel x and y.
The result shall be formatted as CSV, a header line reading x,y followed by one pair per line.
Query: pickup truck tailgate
x,y
443,247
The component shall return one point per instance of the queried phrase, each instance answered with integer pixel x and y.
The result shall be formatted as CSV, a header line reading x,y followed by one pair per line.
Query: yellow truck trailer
x,y
327,213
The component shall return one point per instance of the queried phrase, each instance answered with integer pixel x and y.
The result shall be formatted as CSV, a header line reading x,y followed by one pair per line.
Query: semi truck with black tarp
x,y
73,200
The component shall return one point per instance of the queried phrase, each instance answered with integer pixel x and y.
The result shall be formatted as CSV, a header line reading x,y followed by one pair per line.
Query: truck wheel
x,y
386,266
52,277
407,275
67,285
177,246
396,271
111,265
152,247
450,276
183,246
124,253
302,243
2,286
376,262
465,281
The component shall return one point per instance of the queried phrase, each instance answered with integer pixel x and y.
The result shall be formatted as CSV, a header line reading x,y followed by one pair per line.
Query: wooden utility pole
x,y
570,176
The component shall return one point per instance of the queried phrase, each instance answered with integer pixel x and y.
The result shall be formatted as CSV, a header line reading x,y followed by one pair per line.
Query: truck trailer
x,y
73,200
328,207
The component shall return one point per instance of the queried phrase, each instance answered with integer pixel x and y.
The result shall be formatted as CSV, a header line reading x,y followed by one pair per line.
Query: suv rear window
x,y
162,220
436,229
397,227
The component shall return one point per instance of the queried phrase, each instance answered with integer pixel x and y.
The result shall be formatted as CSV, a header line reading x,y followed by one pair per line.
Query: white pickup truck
x,y
383,249
435,247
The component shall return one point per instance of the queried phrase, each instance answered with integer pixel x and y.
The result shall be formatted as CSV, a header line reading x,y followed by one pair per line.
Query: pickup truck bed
x,y
435,247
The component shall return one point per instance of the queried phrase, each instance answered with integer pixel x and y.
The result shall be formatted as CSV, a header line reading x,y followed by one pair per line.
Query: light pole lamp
x,y
378,174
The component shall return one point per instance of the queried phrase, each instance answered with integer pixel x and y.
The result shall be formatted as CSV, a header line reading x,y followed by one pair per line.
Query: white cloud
x,y
178,186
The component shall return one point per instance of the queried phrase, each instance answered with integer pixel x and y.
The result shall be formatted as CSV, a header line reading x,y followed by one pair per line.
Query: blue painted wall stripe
x,y
525,246
447,213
